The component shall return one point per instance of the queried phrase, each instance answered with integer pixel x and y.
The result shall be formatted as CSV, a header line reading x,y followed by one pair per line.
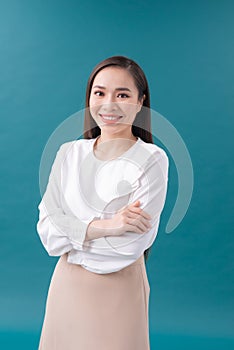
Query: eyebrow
x,y
117,89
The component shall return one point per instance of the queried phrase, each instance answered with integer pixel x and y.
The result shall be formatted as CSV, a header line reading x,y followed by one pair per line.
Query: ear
x,y
140,103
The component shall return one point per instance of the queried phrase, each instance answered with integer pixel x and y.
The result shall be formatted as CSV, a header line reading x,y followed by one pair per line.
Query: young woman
x,y
92,216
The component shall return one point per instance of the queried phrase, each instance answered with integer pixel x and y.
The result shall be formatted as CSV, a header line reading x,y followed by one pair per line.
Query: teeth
x,y
110,118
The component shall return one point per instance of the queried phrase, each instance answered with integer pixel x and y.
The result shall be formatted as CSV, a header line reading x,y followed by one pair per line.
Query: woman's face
x,y
115,95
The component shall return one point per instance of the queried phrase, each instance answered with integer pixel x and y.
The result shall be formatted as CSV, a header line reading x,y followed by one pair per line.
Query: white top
x,y
83,188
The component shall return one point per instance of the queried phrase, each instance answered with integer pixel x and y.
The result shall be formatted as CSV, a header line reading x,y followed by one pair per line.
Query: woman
x,y
90,216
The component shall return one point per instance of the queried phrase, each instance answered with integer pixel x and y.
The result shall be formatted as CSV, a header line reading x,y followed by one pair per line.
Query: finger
x,y
135,229
146,215
140,225
132,215
141,212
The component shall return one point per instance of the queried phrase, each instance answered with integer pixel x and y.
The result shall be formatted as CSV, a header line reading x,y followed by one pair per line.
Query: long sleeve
x,y
59,232
151,192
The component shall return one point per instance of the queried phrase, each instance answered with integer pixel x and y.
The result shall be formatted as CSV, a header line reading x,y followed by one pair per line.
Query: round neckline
x,y
119,157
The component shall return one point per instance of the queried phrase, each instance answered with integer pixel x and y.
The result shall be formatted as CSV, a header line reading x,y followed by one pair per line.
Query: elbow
x,y
138,247
53,252
130,245
54,245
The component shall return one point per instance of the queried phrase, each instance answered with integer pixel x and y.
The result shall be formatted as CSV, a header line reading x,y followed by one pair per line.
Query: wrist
x,y
97,229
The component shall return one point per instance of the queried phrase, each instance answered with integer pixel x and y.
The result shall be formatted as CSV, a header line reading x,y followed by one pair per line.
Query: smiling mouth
x,y
110,118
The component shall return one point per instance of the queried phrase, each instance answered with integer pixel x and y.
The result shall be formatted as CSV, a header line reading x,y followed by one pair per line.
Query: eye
x,y
126,96
100,93
95,93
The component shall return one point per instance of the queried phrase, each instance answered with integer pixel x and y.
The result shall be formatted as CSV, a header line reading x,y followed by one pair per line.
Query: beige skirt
x,y
89,311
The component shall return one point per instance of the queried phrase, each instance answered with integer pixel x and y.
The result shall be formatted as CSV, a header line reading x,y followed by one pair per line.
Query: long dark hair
x,y
142,128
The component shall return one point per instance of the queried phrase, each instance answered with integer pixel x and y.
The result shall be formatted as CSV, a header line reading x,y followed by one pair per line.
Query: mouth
x,y
110,118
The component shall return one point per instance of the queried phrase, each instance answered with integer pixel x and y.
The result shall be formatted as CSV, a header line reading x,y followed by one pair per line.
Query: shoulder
x,y
72,145
157,153
72,150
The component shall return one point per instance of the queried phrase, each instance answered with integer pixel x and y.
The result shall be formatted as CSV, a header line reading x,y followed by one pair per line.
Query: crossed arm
x,y
61,232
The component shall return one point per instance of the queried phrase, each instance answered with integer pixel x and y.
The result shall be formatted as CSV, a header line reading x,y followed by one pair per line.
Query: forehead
x,y
113,76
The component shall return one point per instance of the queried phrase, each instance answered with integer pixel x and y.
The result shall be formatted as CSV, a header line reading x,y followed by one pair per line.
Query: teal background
x,y
48,49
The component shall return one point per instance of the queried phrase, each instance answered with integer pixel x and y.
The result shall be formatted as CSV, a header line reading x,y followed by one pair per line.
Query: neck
x,y
119,139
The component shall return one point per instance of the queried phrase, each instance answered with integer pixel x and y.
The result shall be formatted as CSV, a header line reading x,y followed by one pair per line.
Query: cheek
x,y
91,101
94,101
130,108
92,104
93,108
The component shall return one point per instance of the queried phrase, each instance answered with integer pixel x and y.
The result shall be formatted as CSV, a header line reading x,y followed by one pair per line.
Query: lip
x,y
110,121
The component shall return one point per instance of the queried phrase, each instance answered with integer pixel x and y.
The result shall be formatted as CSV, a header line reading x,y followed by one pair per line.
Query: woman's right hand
x,y
129,218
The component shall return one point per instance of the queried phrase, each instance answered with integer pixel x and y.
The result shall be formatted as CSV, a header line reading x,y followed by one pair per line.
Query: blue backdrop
x,y
48,49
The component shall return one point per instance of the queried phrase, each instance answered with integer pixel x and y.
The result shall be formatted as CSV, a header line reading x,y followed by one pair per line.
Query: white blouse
x,y
83,188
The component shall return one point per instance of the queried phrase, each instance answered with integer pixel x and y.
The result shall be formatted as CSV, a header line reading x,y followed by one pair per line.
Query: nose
x,y
109,103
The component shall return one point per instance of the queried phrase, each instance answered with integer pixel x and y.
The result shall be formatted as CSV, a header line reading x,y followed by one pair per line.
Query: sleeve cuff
x,y
78,231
